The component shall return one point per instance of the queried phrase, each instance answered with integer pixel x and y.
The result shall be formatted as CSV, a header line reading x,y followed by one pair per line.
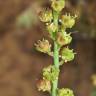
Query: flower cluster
x,y
56,26
50,74
66,21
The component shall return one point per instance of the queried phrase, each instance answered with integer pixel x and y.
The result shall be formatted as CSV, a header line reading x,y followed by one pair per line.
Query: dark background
x,y
21,64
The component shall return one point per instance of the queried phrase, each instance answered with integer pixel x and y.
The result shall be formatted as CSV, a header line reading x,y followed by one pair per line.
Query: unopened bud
x,y
46,15
58,5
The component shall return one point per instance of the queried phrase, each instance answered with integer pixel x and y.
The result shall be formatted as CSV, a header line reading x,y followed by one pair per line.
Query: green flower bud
x,y
63,38
65,92
67,54
44,85
43,46
67,21
50,73
58,5
46,15
51,27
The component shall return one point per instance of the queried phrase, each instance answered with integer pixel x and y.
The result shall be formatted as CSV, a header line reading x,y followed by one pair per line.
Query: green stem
x,y
56,57
56,63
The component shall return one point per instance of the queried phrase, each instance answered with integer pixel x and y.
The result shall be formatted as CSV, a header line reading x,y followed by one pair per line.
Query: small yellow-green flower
x,y
44,85
63,38
67,21
50,73
65,92
58,5
43,46
51,27
46,15
67,54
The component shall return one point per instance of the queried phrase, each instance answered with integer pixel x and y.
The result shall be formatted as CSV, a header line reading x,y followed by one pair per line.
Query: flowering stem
x,y
61,39
56,56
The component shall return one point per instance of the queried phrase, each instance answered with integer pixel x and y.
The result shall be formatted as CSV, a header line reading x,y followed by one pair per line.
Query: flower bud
x,y
51,27
67,21
46,15
65,92
58,5
67,54
44,85
50,73
63,38
43,46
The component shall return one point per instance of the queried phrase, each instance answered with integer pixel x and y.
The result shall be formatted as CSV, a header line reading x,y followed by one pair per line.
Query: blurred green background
x,y
21,64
